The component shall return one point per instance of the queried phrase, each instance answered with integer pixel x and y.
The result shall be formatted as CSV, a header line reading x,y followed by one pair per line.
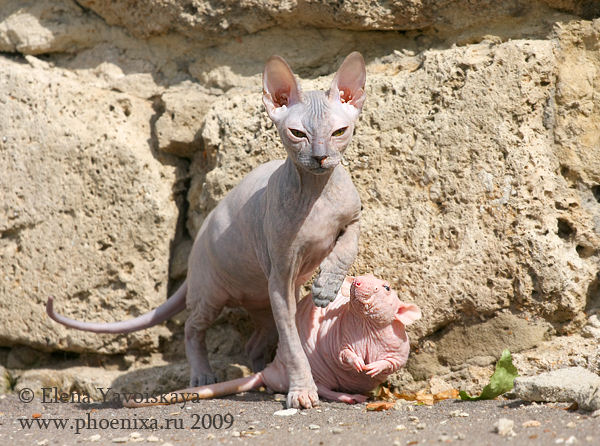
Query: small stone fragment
x,y
504,427
571,440
459,413
531,423
421,426
571,424
337,430
286,412
152,439
400,427
120,440
95,437
314,427
235,434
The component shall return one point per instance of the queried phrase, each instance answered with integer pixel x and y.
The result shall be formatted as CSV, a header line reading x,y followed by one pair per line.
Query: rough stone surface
x,y
574,384
477,160
205,20
84,216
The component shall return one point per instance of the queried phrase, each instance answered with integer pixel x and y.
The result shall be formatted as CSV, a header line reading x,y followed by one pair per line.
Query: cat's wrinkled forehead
x,y
316,104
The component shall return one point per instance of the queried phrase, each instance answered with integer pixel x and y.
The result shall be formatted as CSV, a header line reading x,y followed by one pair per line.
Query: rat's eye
x,y
339,132
387,287
298,133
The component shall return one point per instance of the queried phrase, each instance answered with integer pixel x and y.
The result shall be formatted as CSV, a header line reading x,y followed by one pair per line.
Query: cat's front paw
x,y
302,398
325,288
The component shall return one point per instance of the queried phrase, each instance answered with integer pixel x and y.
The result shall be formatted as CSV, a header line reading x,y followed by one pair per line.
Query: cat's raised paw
x,y
325,288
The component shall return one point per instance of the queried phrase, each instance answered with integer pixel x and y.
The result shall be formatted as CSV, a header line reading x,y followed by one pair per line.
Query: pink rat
x,y
352,346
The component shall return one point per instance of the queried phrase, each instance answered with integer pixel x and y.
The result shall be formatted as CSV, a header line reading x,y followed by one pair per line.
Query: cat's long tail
x,y
202,392
175,304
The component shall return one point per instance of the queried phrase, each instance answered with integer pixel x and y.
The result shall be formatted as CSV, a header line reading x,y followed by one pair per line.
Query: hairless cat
x,y
270,233
352,346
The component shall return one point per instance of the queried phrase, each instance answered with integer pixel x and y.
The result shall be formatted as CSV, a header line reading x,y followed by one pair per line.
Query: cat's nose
x,y
320,158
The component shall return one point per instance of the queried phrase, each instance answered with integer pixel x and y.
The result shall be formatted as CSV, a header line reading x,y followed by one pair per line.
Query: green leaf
x,y
501,381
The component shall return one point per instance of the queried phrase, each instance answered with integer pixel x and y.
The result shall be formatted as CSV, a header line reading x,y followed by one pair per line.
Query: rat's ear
x,y
279,87
349,81
408,313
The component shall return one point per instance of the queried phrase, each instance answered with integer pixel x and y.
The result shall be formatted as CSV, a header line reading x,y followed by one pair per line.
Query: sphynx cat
x,y
352,346
270,233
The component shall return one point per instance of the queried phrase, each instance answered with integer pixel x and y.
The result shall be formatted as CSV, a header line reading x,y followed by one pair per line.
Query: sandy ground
x,y
250,419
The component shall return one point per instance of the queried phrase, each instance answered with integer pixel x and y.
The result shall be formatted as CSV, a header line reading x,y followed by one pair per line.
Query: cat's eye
x,y
298,133
387,288
339,132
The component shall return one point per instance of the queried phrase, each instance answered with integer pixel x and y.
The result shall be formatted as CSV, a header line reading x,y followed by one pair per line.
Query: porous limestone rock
x,y
87,212
476,157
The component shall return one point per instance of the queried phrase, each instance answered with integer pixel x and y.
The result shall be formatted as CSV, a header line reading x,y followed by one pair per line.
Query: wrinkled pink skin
x,y
352,345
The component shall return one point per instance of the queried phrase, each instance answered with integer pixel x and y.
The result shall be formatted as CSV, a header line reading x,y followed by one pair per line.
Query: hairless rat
x,y
352,346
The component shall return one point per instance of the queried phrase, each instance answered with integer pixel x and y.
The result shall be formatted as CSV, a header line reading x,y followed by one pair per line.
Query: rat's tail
x,y
175,304
202,392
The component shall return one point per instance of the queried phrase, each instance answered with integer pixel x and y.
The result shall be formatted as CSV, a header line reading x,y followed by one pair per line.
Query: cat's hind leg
x,y
262,343
205,308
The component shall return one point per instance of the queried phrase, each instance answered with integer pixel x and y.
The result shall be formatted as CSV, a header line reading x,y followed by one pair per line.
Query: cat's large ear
x,y
279,87
349,81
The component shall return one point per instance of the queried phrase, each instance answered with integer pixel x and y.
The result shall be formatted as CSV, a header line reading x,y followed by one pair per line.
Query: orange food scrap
x,y
36,415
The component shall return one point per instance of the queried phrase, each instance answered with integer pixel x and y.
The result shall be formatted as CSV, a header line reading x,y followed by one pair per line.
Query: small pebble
x,y
444,438
279,397
152,439
337,430
43,442
421,426
531,423
571,440
95,437
235,434
135,435
571,424
286,412
459,413
504,427
314,427
120,440
400,427
413,418
460,436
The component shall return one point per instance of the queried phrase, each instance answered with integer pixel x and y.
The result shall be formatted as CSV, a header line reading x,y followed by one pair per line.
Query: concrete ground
x,y
250,419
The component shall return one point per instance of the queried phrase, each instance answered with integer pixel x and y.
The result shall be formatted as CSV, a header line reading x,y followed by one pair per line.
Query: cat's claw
x,y
325,288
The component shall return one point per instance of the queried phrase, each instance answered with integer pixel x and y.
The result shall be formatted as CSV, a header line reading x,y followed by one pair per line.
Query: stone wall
x,y
477,158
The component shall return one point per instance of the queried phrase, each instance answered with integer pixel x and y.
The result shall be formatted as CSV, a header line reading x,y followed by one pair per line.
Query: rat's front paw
x,y
375,368
302,398
325,288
